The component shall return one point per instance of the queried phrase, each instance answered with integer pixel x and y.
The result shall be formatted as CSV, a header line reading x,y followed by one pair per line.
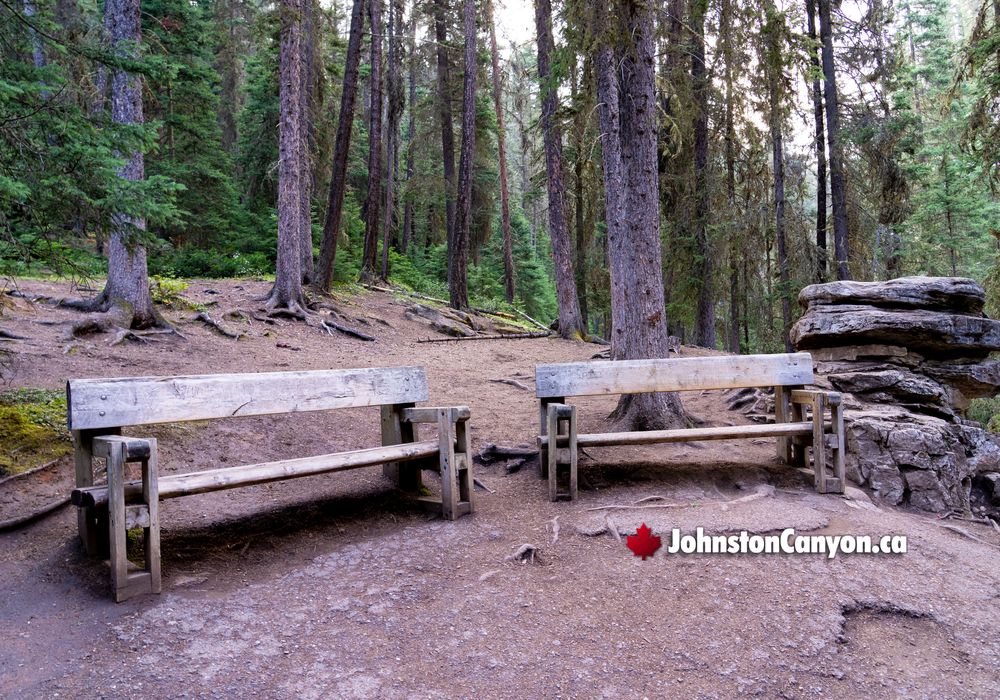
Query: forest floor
x,y
339,587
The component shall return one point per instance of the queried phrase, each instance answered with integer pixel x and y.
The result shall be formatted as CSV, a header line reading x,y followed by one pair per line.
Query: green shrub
x,y
987,412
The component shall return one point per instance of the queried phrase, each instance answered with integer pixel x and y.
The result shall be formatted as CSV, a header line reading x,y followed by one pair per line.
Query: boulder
x,y
931,333
957,294
908,355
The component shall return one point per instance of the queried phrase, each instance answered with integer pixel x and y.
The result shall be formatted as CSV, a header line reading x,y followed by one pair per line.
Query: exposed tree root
x,y
146,336
14,523
661,411
513,382
203,317
7,335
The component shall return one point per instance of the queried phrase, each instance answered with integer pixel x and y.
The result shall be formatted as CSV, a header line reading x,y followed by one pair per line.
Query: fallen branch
x,y
494,453
515,466
529,318
219,328
513,383
331,326
612,528
965,533
497,336
445,302
554,524
7,335
29,472
483,486
525,554
642,504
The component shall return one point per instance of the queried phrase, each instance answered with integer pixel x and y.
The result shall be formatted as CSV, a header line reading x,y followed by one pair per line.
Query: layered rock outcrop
x,y
909,355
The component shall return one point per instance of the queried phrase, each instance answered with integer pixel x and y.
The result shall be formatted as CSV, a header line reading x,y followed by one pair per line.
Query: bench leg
x,y
839,446
396,431
783,414
126,580
819,442
561,426
455,465
799,456
92,523
543,429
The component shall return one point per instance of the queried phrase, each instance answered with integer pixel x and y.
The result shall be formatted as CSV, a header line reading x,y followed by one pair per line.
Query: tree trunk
x,y
631,200
127,287
373,202
705,268
341,148
726,39
508,241
570,321
411,132
580,249
447,126
837,189
228,65
286,295
394,88
817,97
308,136
459,253
775,78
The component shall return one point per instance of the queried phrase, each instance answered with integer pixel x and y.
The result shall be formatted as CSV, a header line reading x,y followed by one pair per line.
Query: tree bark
x,y
286,294
570,321
631,202
508,241
127,287
411,132
837,189
308,136
447,124
775,78
459,253
726,40
817,97
394,89
342,146
373,202
705,268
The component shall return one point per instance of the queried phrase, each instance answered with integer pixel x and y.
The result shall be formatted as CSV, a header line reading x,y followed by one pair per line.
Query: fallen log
x,y
498,336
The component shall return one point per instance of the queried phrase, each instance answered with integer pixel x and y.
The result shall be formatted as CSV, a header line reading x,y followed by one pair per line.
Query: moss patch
x,y
32,429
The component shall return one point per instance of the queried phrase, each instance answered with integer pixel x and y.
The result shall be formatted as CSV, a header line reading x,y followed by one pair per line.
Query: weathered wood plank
x,y
430,414
177,485
653,437
99,403
680,374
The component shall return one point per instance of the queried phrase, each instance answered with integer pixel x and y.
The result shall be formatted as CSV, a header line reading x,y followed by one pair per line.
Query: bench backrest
x,y
112,403
679,374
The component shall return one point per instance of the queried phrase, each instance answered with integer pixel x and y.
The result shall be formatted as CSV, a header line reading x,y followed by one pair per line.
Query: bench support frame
x,y
559,433
127,579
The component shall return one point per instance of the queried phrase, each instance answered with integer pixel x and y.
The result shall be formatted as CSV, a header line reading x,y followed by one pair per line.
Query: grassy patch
x,y
987,412
32,429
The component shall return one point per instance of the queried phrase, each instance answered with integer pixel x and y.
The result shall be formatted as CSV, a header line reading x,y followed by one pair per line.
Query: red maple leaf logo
x,y
643,543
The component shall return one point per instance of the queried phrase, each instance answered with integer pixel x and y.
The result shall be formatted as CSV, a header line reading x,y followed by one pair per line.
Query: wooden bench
x,y
787,373
99,408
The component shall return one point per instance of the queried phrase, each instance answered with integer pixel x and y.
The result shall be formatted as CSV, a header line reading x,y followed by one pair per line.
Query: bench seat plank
x,y
111,403
679,374
177,485
654,437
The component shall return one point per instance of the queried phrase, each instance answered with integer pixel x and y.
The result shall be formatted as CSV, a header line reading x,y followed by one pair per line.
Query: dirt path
x,y
337,587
